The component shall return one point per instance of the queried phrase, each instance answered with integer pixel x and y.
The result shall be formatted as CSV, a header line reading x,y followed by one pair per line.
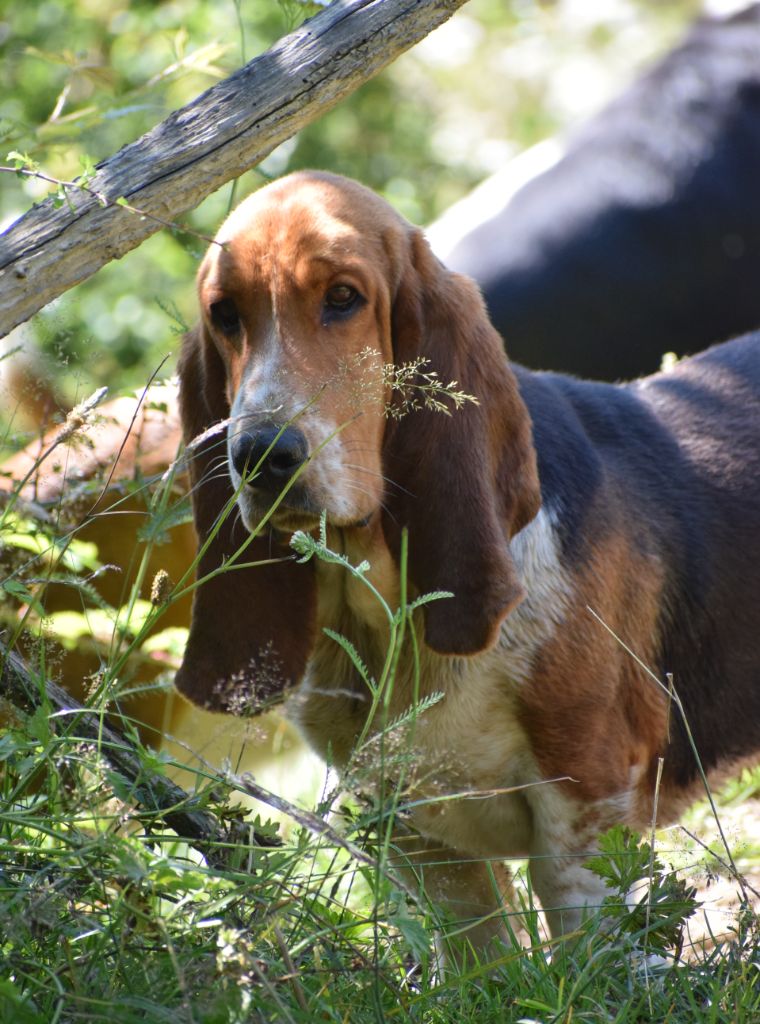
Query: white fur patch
x,y
535,550
565,832
328,476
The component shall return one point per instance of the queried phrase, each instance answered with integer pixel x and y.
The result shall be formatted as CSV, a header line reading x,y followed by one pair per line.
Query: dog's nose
x,y
280,456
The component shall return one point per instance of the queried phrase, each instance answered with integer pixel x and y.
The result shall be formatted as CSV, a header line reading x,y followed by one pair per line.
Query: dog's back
x,y
670,467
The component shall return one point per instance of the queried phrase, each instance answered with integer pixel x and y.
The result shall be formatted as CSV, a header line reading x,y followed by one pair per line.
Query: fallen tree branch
x,y
157,795
151,793
214,139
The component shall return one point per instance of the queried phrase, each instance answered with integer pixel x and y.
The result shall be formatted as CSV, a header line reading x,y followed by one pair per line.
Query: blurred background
x,y
79,79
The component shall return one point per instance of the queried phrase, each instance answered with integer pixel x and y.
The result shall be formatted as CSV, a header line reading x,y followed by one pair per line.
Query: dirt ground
x,y
720,894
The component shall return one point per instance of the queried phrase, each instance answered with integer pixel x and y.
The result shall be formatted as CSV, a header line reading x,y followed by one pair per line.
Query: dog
x,y
594,539
639,234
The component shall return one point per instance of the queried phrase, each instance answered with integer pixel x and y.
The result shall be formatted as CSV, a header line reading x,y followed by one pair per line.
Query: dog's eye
x,y
341,300
224,316
340,296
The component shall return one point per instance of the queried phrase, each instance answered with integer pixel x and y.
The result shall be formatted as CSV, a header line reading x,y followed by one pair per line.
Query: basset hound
x,y
594,539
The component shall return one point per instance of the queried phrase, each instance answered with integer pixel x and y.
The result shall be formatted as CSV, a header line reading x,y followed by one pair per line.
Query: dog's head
x,y
322,312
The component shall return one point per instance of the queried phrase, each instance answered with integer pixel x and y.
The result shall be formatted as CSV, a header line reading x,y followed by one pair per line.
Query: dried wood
x,y
149,792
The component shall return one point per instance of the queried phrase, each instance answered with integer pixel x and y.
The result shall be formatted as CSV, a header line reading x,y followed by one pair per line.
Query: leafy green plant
x,y
652,913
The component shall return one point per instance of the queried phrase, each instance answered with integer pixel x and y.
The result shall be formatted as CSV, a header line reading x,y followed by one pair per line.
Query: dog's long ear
x,y
465,483
252,629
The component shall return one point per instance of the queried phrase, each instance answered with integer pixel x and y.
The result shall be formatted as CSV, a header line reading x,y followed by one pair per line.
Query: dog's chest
x,y
462,764
471,762
464,761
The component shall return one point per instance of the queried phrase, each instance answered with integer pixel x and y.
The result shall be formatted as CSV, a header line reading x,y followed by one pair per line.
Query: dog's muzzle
x,y
267,456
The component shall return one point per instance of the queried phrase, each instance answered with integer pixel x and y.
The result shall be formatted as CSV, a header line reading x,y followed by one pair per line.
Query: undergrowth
x,y
108,914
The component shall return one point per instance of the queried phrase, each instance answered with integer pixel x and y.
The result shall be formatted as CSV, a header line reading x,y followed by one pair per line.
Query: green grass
x,y
108,916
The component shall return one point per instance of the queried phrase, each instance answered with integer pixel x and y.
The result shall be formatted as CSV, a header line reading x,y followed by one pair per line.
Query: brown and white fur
x,y
561,514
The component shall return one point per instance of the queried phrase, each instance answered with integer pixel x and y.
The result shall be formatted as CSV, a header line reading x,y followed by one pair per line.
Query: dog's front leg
x,y
568,892
468,895
564,838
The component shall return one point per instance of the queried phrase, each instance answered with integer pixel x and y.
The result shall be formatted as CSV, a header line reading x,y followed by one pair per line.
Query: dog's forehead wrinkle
x,y
310,219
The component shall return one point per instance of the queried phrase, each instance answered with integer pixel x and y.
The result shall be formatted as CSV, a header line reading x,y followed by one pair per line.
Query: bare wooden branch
x,y
153,793
159,796
217,137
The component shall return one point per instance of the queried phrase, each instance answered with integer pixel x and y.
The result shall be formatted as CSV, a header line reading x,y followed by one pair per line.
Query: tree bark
x,y
224,132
